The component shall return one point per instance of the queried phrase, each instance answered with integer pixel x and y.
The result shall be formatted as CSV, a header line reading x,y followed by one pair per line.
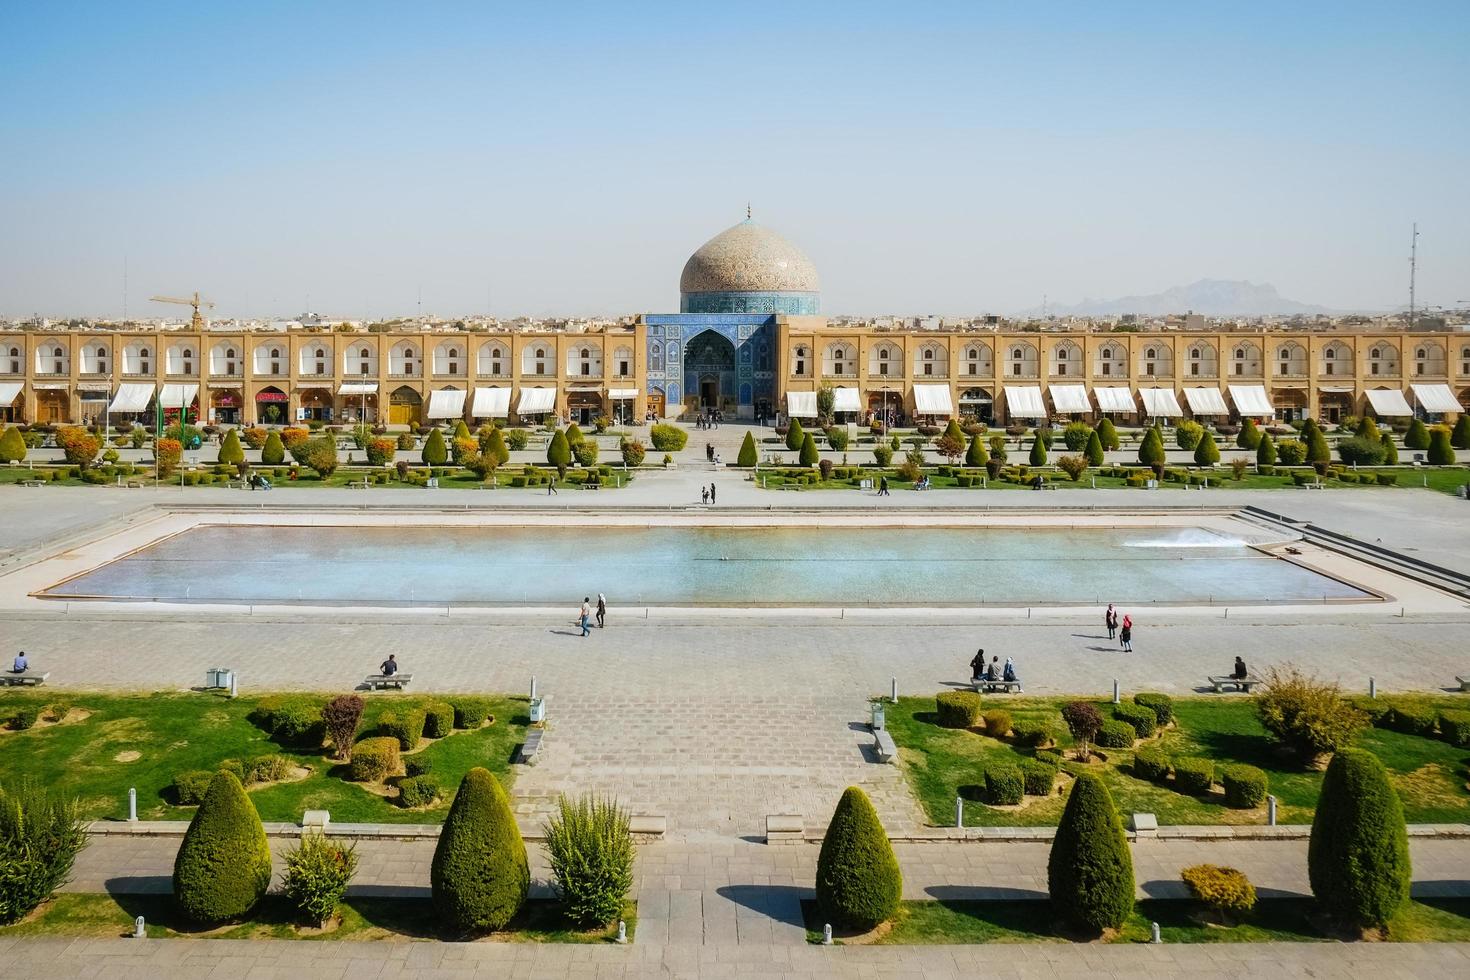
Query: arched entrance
x,y
977,403
53,406
709,372
316,405
270,406
1290,403
224,406
656,403
404,406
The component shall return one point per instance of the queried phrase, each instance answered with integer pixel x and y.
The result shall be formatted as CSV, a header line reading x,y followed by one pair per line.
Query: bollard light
x,y
132,804
1115,690
234,690
1372,687
622,931
893,690
827,934
1270,811
533,687
959,812
140,928
1157,938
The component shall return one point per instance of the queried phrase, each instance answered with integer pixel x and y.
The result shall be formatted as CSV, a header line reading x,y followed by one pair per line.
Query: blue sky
x,y
566,158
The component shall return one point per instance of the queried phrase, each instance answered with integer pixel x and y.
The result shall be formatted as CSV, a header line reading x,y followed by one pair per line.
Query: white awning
x,y
447,404
1434,398
491,403
358,388
846,400
1206,401
1335,389
1160,402
801,404
1069,398
622,394
1251,400
9,391
1115,398
932,400
178,396
50,386
131,397
536,401
1389,402
101,386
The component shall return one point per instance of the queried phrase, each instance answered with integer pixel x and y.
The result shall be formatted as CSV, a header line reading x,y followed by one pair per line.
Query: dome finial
x,y
747,210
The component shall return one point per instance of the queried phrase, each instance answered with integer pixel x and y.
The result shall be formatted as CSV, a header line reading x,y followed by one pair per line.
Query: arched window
x,y
839,360
798,363
585,361
404,360
885,360
494,359
536,360
447,360
360,361
224,361
623,362
1023,360
15,360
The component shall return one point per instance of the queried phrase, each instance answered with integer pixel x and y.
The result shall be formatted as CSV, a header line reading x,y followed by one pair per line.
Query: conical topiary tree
x,y
1090,871
859,883
230,451
1390,451
479,877
1441,452
1038,451
574,435
494,445
1249,436
953,431
809,455
1151,449
559,453
1368,429
1094,450
273,453
434,453
1266,450
1358,857
748,455
1318,451
1107,434
1460,438
223,866
794,436
1206,453
1417,437
975,454
461,430
12,446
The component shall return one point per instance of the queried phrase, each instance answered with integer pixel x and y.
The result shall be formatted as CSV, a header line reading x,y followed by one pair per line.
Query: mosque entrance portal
x,y
710,359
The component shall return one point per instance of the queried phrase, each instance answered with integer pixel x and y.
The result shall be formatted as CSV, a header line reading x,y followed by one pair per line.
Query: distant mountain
x,y
1211,297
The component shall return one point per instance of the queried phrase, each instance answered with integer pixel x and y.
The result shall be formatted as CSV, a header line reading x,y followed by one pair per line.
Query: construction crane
x,y
197,323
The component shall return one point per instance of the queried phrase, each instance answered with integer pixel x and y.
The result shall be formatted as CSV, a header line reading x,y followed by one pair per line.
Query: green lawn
x,y
455,478
941,763
1273,920
174,733
370,919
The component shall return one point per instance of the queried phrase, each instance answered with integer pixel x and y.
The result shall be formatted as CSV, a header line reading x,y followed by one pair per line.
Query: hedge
x,y
1050,757
1412,719
1141,717
418,791
1150,763
1358,857
374,759
1031,734
479,877
1161,704
1039,778
223,865
957,709
1115,735
997,723
190,787
1223,890
292,718
438,719
470,712
858,883
1245,786
1193,775
1004,785
1089,873
417,765
1454,727
406,726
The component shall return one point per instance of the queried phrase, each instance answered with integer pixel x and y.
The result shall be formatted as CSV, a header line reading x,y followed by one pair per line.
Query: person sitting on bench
x,y
992,673
388,667
21,664
1009,673
1240,672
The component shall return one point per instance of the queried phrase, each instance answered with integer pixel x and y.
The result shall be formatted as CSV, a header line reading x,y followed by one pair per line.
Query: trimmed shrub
x,y
1160,704
434,453
1150,763
292,718
12,446
667,438
957,709
1441,452
418,790
859,883
479,877
997,723
470,712
268,768
1094,450
1089,873
374,759
748,454
1390,454
1245,786
1107,434
223,866
1030,733
40,836
1004,784
1411,719
1194,776
1307,716
1454,727
230,451
1291,452
1038,777
417,765
438,719
23,719
190,787
1417,437
341,716
1050,757
273,452
1140,716
808,455
1249,436
1083,721
1361,451
1114,734
1358,857
1038,451
1225,891
405,726
591,852
317,874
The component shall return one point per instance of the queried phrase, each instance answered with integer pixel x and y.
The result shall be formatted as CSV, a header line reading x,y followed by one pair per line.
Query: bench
x,y
1315,486
883,745
21,680
33,483
375,681
1464,683
984,686
1235,683
531,746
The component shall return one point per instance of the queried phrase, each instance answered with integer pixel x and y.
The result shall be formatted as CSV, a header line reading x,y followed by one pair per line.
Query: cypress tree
x,y
1250,436
794,436
434,453
1090,871
859,883
461,431
1206,453
1417,437
1318,452
479,877
1038,451
230,451
1367,428
273,453
1266,451
1390,451
1460,438
748,455
223,866
953,431
1441,452
1107,433
12,446
495,446
559,453
1358,857
1094,449
1151,450
975,454
808,450
574,435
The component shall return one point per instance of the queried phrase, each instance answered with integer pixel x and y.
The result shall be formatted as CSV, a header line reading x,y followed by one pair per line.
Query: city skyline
x,y
939,160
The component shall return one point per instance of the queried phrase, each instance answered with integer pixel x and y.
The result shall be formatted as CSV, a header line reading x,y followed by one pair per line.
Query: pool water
x,y
807,566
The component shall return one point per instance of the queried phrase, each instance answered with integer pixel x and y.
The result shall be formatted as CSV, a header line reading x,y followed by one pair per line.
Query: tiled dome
x,y
748,259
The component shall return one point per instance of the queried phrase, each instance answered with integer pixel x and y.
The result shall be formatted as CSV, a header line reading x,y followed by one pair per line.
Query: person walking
x,y
882,486
1110,620
601,611
703,494
1125,635
585,616
977,664
551,487
711,493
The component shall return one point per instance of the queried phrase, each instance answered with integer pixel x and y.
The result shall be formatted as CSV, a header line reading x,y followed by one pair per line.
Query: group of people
x,y
257,482
585,614
708,420
1123,632
993,671
710,454
707,494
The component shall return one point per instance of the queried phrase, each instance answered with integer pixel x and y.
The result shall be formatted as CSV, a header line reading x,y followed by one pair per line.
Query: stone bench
x,y
32,678
785,828
883,745
33,483
374,682
1234,683
1464,683
532,745
984,686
